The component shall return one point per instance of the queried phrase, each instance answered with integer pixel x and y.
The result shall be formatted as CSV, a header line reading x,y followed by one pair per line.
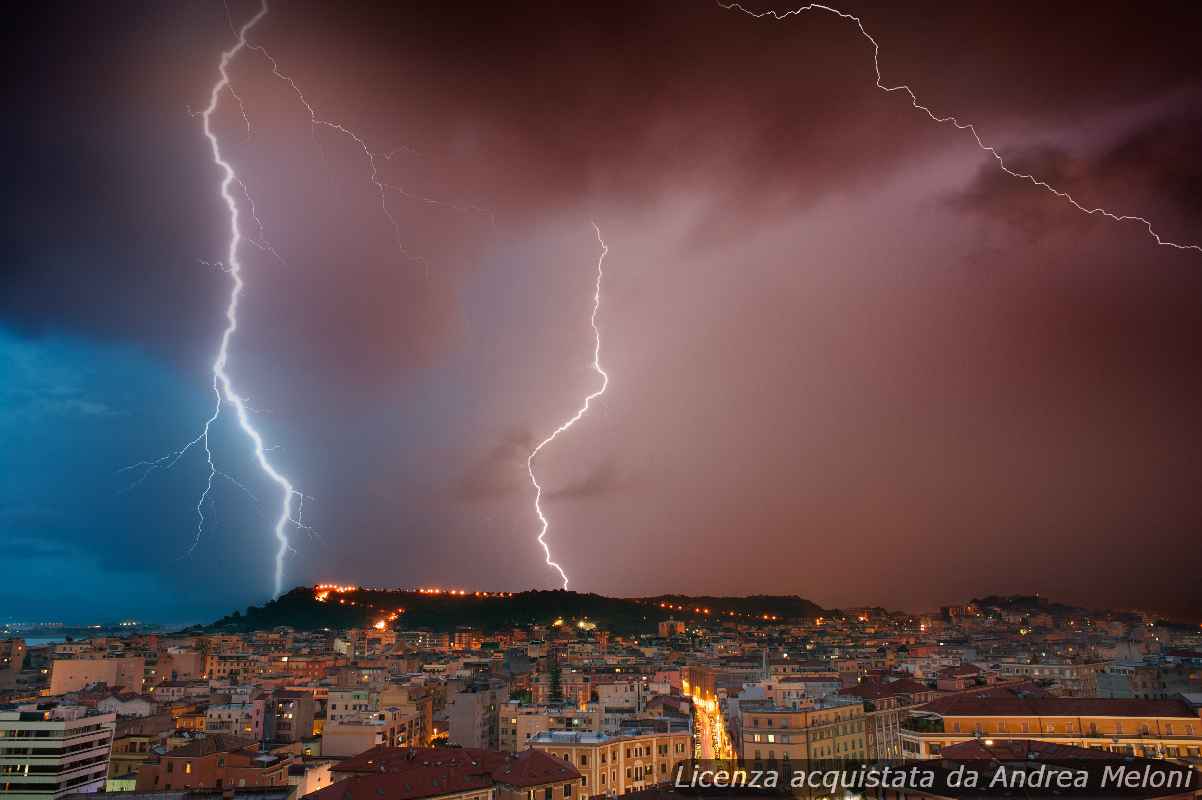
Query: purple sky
x,y
849,358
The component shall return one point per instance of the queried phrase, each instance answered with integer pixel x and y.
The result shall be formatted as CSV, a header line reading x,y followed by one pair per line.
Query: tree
x,y
556,691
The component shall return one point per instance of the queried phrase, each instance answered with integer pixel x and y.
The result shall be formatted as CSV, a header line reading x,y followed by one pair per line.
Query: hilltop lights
x,y
321,592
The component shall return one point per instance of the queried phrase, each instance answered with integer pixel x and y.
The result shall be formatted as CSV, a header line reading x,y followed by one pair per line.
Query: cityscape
x,y
353,697
570,401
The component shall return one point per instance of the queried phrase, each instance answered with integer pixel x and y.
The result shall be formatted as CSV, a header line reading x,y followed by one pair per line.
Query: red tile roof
x,y
403,773
1021,704
421,781
1019,750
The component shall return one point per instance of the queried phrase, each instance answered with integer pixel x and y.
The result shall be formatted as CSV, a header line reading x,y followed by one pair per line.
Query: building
x,y
173,691
50,750
290,716
614,765
72,674
414,701
310,774
390,727
834,727
967,769
700,683
127,704
1075,680
518,724
214,762
453,774
796,691
472,714
237,719
349,704
135,742
1147,728
231,667
12,661
885,704
671,627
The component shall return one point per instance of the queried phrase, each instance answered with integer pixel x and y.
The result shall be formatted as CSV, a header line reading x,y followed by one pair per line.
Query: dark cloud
x,y
838,337
603,480
500,473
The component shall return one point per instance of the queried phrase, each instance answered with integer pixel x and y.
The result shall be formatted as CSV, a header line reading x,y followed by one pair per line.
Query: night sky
x,y
849,358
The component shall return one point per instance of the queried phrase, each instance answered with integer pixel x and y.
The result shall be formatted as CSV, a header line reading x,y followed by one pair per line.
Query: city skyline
x,y
846,357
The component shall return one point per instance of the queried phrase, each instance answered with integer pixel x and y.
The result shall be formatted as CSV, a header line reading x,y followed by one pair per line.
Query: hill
x,y
313,608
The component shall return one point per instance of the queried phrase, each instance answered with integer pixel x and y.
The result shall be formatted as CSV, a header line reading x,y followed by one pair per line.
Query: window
x,y
583,760
188,768
567,790
547,793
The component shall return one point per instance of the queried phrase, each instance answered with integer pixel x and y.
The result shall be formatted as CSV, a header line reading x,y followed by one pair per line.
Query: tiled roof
x,y
403,773
533,768
215,743
1047,706
1019,750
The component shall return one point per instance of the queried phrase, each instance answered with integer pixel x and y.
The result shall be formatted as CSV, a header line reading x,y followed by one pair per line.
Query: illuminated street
x,y
710,731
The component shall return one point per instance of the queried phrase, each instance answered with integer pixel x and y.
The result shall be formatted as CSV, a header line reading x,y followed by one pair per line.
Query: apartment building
x,y
518,724
1075,679
388,727
472,714
834,727
237,719
1146,728
291,715
135,741
73,674
49,750
614,765
214,762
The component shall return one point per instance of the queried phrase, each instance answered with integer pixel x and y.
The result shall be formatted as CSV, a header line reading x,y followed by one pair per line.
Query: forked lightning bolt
x,y
955,122
223,388
538,489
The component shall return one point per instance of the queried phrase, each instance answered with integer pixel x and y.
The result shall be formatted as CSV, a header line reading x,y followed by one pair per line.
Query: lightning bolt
x,y
538,489
223,385
224,391
955,122
223,388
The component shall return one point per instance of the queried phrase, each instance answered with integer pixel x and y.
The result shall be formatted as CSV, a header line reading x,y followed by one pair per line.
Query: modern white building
x,y
49,750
